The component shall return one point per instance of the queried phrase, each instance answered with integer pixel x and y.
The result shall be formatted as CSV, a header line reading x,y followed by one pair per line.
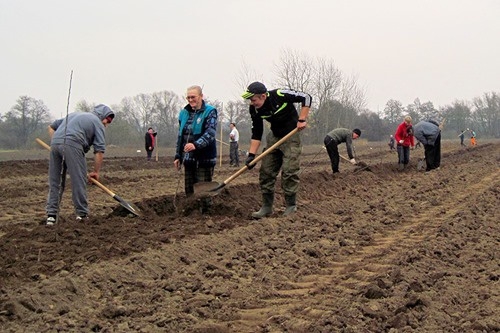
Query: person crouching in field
x,y
336,137
71,138
429,133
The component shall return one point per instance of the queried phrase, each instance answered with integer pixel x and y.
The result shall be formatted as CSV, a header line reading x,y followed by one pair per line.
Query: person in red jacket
x,y
404,139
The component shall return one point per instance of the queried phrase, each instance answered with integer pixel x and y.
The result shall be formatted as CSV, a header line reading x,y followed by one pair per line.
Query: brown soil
x,y
370,250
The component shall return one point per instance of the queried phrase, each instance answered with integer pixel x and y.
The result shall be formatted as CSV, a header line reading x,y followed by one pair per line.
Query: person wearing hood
x,y
71,138
429,133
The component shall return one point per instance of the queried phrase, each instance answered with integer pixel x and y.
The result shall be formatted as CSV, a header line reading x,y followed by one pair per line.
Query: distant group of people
x,y
427,133
196,149
472,137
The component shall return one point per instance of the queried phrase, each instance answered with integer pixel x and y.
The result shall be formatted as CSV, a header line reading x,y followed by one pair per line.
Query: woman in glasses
x,y
196,144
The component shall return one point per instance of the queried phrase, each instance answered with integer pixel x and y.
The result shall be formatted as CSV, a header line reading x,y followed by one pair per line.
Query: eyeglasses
x,y
190,97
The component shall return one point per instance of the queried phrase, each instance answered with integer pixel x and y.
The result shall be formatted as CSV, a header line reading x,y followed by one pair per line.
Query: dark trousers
x,y
333,152
403,155
233,154
150,152
433,154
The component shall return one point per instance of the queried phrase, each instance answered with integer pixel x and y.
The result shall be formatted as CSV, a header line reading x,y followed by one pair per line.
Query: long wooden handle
x,y
261,156
95,181
104,188
344,158
43,144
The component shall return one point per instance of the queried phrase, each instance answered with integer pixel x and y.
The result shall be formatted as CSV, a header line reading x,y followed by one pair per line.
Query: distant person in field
x,y
150,142
462,137
473,138
404,139
277,107
196,144
71,138
429,133
336,137
234,137
392,143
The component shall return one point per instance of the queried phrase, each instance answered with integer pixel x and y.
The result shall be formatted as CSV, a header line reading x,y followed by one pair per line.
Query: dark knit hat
x,y
357,131
254,88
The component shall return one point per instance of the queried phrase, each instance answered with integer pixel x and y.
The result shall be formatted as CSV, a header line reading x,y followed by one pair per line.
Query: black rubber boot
x,y
267,206
291,205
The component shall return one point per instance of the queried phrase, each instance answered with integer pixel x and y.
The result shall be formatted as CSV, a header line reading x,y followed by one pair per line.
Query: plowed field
x,y
373,250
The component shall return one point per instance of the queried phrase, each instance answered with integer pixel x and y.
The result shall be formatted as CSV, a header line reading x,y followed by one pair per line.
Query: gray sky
x,y
436,50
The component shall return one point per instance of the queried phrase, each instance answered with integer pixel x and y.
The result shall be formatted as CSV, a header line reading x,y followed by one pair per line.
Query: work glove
x,y
401,141
353,161
249,160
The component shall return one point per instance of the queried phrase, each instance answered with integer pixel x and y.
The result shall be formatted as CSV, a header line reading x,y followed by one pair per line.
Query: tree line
x,y
338,101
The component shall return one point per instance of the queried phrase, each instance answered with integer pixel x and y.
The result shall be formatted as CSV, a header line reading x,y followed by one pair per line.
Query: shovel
x,y
213,188
128,206
360,164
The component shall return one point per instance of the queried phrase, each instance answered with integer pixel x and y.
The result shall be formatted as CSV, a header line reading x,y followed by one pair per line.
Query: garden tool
x,y
128,206
213,188
360,164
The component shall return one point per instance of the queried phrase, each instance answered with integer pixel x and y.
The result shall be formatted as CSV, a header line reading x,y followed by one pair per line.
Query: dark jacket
x,y
278,109
204,127
150,141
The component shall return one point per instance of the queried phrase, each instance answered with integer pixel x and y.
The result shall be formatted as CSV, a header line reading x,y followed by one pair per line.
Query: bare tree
x,y
458,116
352,94
237,112
487,113
393,111
294,71
24,119
84,106
140,111
327,80
168,104
246,76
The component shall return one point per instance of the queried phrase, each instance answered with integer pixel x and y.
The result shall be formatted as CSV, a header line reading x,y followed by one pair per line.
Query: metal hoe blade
x,y
208,188
128,206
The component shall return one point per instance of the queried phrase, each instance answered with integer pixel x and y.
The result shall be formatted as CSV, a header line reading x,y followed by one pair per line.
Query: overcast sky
x,y
436,50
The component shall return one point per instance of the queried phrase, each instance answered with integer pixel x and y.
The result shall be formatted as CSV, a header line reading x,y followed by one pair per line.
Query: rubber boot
x,y
267,206
291,205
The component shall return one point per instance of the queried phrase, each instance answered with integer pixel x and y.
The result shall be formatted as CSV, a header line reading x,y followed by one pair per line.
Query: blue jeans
x,y
403,155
